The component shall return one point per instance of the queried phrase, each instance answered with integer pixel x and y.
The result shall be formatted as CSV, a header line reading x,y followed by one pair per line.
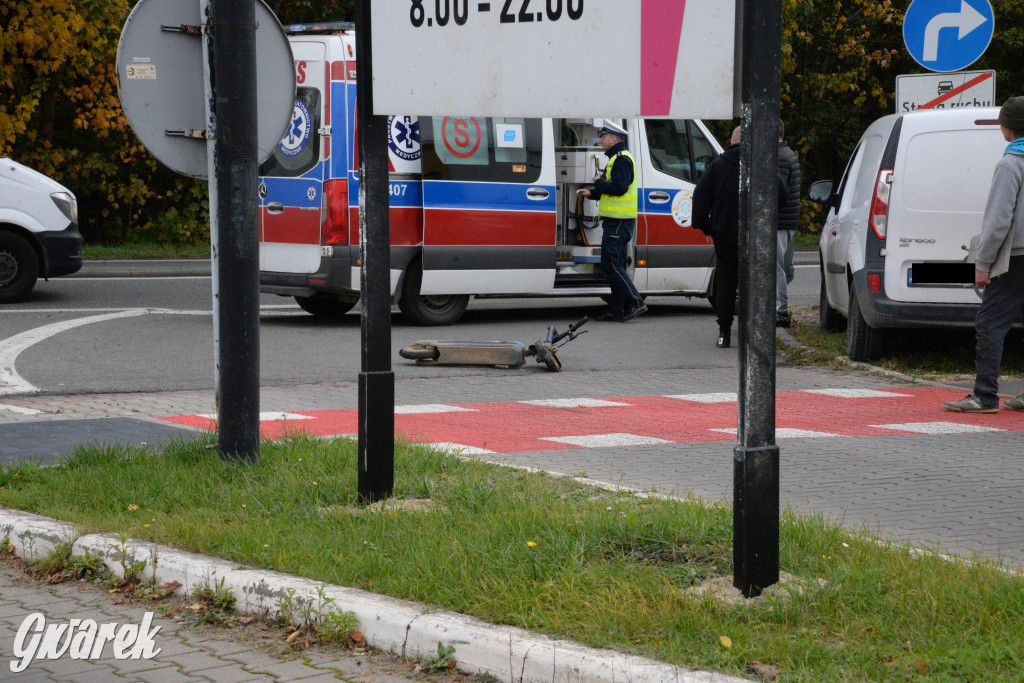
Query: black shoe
x,y
609,317
783,320
724,339
638,311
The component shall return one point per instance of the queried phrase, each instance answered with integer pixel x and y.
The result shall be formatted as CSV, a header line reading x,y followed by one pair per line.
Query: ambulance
x,y
479,206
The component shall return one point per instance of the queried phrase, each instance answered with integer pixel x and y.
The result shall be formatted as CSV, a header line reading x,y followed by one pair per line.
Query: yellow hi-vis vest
x,y
620,206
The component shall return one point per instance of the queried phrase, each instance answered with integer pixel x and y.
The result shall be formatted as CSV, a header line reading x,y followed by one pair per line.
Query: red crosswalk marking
x,y
514,426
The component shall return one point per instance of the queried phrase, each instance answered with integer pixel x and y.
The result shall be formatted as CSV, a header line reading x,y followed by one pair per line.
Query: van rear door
x,y
291,179
940,184
488,205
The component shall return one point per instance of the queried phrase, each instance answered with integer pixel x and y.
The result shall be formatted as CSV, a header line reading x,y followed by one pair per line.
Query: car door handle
x,y
275,207
537,193
658,197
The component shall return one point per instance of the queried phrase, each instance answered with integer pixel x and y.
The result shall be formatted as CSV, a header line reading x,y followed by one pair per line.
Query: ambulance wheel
x,y
862,342
325,307
19,267
438,309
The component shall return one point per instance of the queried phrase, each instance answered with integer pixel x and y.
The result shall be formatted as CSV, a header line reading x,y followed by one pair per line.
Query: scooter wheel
x,y
546,353
416,352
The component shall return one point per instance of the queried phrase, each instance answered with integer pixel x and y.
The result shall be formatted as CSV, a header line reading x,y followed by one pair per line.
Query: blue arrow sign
x,y
948,35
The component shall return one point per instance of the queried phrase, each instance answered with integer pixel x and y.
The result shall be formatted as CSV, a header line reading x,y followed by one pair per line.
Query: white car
x,y
893,247
39,234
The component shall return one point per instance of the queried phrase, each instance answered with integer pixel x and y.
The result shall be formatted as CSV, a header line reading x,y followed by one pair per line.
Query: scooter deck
x,y
511,354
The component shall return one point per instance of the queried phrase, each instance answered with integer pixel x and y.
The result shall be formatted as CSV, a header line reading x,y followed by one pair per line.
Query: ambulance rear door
x,y
672,155
292,178
489,205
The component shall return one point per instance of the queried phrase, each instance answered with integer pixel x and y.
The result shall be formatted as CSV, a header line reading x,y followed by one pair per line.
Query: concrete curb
x,y
397,626
145,268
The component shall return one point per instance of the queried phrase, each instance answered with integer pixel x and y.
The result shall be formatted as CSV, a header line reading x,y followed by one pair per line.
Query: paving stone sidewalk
x,y
185,655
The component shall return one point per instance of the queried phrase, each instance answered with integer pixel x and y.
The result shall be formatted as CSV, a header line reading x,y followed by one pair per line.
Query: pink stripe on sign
x,y
660,32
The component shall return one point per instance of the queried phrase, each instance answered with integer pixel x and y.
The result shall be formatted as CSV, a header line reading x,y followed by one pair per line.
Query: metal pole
x,y
230,40
756,457
376,477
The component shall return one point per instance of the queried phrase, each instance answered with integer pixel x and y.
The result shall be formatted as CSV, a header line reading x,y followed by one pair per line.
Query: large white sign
x,y
548,58
945,91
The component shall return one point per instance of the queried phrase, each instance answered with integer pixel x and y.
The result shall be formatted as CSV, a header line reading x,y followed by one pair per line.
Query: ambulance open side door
x,y
489,205
291,180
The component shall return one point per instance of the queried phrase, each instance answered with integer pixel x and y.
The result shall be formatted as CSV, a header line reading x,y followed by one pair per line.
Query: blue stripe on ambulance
x,y
450,194
294,192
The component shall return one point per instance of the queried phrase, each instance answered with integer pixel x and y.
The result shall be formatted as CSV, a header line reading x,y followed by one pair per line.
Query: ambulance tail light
x,y
335,228
880,203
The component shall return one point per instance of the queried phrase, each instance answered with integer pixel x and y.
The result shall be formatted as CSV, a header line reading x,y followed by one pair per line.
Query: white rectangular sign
x,y
945,90
555,58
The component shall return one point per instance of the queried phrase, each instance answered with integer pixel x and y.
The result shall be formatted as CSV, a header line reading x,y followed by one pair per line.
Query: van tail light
x,y
880,203
334,231
875,282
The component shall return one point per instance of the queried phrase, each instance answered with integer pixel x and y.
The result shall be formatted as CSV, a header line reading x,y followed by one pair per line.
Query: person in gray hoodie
x,y
1003,298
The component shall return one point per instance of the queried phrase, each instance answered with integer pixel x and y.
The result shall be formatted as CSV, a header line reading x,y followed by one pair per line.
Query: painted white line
x,y
431,408
573,403
853,393
939,428
787,433
266,417
725,397
13,383
605,440
458,448
19,409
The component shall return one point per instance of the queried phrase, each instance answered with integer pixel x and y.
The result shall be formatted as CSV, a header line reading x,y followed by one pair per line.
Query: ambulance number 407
x,y
398,189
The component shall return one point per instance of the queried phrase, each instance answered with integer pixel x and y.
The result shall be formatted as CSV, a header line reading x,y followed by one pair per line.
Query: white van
x,y
38,230
480,206
893,246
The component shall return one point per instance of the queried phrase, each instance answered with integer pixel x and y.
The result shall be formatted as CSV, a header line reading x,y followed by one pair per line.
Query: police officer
x,y
616,189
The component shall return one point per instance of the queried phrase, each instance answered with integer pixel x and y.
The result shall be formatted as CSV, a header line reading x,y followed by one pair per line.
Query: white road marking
x,y
13,383
573,403
458,448
939,428
605,440
724,397
853,393
266,417
431,408
787,433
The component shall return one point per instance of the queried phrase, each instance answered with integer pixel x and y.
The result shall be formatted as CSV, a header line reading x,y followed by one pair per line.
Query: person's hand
x,y
981,279
597,176
583,192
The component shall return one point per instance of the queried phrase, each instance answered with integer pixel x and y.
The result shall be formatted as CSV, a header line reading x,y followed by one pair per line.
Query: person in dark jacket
x,y
716,207
789,221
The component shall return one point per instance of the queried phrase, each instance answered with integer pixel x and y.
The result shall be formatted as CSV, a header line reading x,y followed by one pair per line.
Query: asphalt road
x,y
140,334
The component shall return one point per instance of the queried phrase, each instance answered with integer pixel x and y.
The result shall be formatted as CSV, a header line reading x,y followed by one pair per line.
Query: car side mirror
x,y
821,192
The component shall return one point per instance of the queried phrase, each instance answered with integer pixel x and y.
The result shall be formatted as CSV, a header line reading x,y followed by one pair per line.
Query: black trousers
x,y
727,256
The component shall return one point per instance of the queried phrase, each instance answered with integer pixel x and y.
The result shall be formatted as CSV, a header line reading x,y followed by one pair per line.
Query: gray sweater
x,y
1004,211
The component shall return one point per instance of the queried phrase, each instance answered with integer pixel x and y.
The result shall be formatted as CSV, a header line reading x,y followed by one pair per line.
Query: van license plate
x,y
958,273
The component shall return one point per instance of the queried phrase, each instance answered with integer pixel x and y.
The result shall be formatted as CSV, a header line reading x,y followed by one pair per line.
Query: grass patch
x,y
142,250
603,567
937,355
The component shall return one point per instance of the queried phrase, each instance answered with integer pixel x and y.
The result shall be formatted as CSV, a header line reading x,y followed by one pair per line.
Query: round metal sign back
x,y
161,84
